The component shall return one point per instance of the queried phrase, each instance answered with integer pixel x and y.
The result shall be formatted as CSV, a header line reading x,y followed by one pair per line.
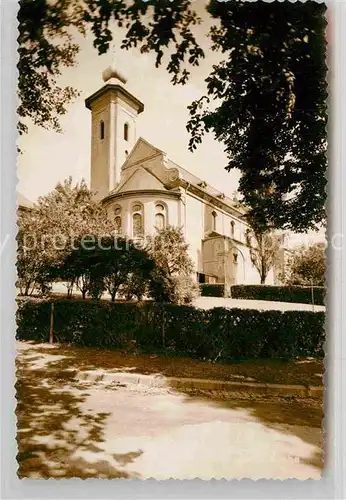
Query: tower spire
x,y
111,74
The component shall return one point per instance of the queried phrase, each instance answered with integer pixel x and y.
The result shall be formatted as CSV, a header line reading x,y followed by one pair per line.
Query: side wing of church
x,y
144,190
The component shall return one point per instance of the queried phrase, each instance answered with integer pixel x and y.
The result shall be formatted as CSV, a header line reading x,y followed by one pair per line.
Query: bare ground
x,y
70,429
307,371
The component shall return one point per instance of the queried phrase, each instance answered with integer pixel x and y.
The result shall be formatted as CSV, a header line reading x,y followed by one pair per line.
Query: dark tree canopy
x,y
45,47
271,92
103,264
268,94
46,34
307,266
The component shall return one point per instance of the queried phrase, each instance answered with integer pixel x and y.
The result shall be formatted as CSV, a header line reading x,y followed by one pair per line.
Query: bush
x,y
212,290
219,333
296,294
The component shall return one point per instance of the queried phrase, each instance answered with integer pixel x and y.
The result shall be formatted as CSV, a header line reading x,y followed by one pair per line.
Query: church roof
x,y
193,179
207,188
144,150
115,89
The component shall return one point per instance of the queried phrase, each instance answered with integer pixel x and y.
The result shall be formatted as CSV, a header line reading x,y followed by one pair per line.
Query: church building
x,y
144,190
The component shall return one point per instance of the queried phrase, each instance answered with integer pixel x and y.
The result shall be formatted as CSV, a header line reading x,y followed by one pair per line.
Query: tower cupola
x,y
114,112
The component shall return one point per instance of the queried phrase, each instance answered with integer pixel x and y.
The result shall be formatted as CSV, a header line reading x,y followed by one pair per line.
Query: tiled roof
x,y
196,181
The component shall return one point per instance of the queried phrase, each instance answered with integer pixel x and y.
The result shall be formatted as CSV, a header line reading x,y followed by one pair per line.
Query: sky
x,y
49,157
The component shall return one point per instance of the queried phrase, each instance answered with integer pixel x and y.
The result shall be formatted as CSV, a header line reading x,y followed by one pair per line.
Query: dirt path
x,y
74,429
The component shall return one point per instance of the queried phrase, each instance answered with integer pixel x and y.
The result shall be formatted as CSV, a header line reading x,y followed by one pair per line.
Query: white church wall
x,y
271,277
223,224
194,229
144,176
148,202
250,275
100,147
124,115
152,164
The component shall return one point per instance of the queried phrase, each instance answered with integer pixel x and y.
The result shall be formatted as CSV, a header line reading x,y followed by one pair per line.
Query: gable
x,y
23,201
141,180
141,150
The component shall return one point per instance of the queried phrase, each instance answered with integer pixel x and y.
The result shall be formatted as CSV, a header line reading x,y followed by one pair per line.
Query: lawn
x,y
301,371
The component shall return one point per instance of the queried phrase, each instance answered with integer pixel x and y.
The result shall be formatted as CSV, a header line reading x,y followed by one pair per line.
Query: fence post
x,y
51,323
163,326
312,295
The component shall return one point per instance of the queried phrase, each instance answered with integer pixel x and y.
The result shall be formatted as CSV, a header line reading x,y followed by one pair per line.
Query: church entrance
x,y
205,278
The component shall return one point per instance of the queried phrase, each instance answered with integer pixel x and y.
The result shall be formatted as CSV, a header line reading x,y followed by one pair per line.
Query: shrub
x,y
216,334
296,294
212,290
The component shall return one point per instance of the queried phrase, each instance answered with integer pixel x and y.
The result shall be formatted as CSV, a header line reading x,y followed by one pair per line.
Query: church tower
x,y
113,130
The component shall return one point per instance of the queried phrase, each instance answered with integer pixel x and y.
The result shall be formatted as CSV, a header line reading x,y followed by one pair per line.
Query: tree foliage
x,y
32,273
47,233
271,114
46,34
45,46
307,266
109,264
69,237
263,248
265,101
172,280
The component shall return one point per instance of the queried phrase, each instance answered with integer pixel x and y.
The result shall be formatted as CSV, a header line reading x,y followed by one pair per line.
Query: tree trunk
x,y
70,289
263,273
83,293
113,292
163,329
51,323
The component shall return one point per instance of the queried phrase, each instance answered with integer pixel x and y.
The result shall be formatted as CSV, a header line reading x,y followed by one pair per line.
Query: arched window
x,y
160,216
137,221
213,220
235,257
118,221
126,131
102,129
232,228
118,224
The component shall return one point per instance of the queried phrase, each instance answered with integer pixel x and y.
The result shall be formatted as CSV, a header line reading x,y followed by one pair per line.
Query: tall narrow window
x,y
118,221
160,216
232,228
213,220
126,131
102,129
118,224
137,221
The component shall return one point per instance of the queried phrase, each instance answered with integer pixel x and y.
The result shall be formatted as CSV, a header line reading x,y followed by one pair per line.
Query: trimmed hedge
x,y
296,294
220,333
212,290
